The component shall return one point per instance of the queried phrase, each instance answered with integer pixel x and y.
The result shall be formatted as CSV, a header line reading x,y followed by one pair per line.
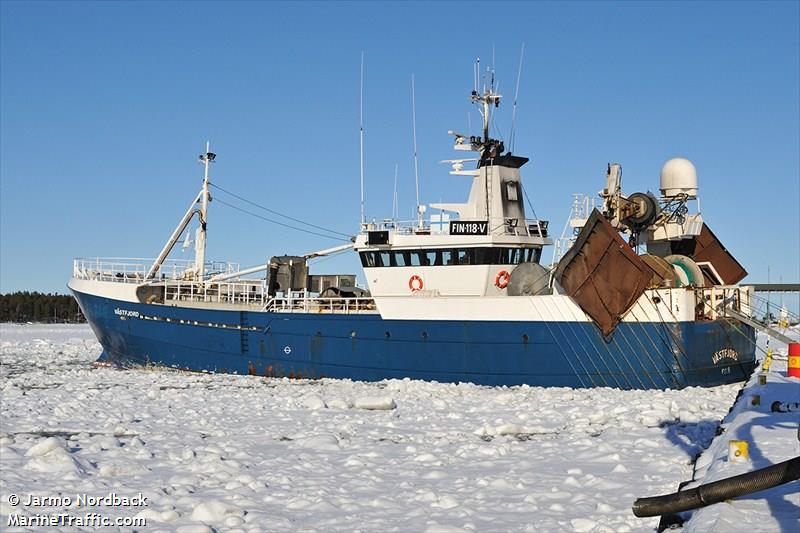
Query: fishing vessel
x,y
646,297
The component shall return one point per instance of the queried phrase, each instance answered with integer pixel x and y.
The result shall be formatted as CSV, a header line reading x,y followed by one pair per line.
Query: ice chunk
x,y
446,502
214,511
313,401
323,442
43,447
582,525
56,460
375,403
339,403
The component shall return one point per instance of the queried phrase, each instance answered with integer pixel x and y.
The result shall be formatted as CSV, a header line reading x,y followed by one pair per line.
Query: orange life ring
x,y
501,281
415,283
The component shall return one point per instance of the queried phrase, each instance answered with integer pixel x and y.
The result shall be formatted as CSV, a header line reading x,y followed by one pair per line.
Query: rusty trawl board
x,y
602,273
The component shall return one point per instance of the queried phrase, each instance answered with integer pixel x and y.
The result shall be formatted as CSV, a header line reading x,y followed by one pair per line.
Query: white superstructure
x,y
472,248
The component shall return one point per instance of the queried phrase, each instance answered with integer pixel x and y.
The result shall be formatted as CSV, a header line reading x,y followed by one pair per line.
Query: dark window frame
x,y
481,255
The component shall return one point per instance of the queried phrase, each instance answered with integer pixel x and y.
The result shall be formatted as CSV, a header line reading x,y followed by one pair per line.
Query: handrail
x,y
243,292
134,270
314,304
528,227
718,300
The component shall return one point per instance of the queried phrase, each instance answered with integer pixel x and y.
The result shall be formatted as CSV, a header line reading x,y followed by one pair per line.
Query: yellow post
x,y
767,360
738,451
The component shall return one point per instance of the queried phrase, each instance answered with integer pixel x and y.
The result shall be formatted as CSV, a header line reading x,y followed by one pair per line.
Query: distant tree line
x,y
39,307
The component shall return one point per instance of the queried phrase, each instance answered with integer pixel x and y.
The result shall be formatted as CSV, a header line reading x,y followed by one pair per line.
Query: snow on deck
x,y
252,454
773,437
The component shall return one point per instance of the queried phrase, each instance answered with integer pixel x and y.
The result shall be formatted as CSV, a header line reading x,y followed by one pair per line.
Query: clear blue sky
x,y
105,107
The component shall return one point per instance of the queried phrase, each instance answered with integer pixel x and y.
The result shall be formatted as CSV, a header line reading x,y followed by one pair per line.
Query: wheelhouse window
x,y
368,259
402,258
450,256
433,257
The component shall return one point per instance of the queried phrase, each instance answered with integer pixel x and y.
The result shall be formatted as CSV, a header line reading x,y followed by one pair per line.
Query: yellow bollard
x,y
738,451
762,379
767,360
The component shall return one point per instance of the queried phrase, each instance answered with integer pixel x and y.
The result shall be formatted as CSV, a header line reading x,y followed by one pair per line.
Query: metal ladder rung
x,y
759,326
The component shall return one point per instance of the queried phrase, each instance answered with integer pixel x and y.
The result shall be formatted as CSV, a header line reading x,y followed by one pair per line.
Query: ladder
x,y
243,327
772,332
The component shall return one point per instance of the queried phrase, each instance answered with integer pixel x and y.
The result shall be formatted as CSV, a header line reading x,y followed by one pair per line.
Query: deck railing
x,y
717,301
528,227
306,303
174,283
244,292
134,270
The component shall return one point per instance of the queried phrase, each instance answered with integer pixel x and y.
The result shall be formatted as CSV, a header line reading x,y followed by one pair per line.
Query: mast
x,y
202,198
200,240
488,99
489,148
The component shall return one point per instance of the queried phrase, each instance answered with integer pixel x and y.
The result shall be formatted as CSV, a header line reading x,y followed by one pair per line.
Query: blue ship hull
x,y
640,355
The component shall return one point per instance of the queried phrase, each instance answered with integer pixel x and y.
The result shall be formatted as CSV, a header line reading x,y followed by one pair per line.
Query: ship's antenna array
x,y
361,136
420,208
492,78
516,95
484,103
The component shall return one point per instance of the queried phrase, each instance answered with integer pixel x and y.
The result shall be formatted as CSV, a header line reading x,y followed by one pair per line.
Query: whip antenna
x,y
395,205
361,135
416,162
516,95
492,84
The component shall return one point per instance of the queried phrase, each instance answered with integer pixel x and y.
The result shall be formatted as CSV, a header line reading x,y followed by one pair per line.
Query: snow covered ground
x,y
773,436
253,454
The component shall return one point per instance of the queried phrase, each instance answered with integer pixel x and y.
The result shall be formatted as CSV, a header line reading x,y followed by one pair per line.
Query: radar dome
x,y
678,176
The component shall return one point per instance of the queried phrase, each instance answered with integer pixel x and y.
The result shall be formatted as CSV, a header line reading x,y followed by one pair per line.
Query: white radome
x,y
678,176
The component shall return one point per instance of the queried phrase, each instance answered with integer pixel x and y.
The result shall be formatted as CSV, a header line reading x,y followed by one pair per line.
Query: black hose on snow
x,y
719,491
